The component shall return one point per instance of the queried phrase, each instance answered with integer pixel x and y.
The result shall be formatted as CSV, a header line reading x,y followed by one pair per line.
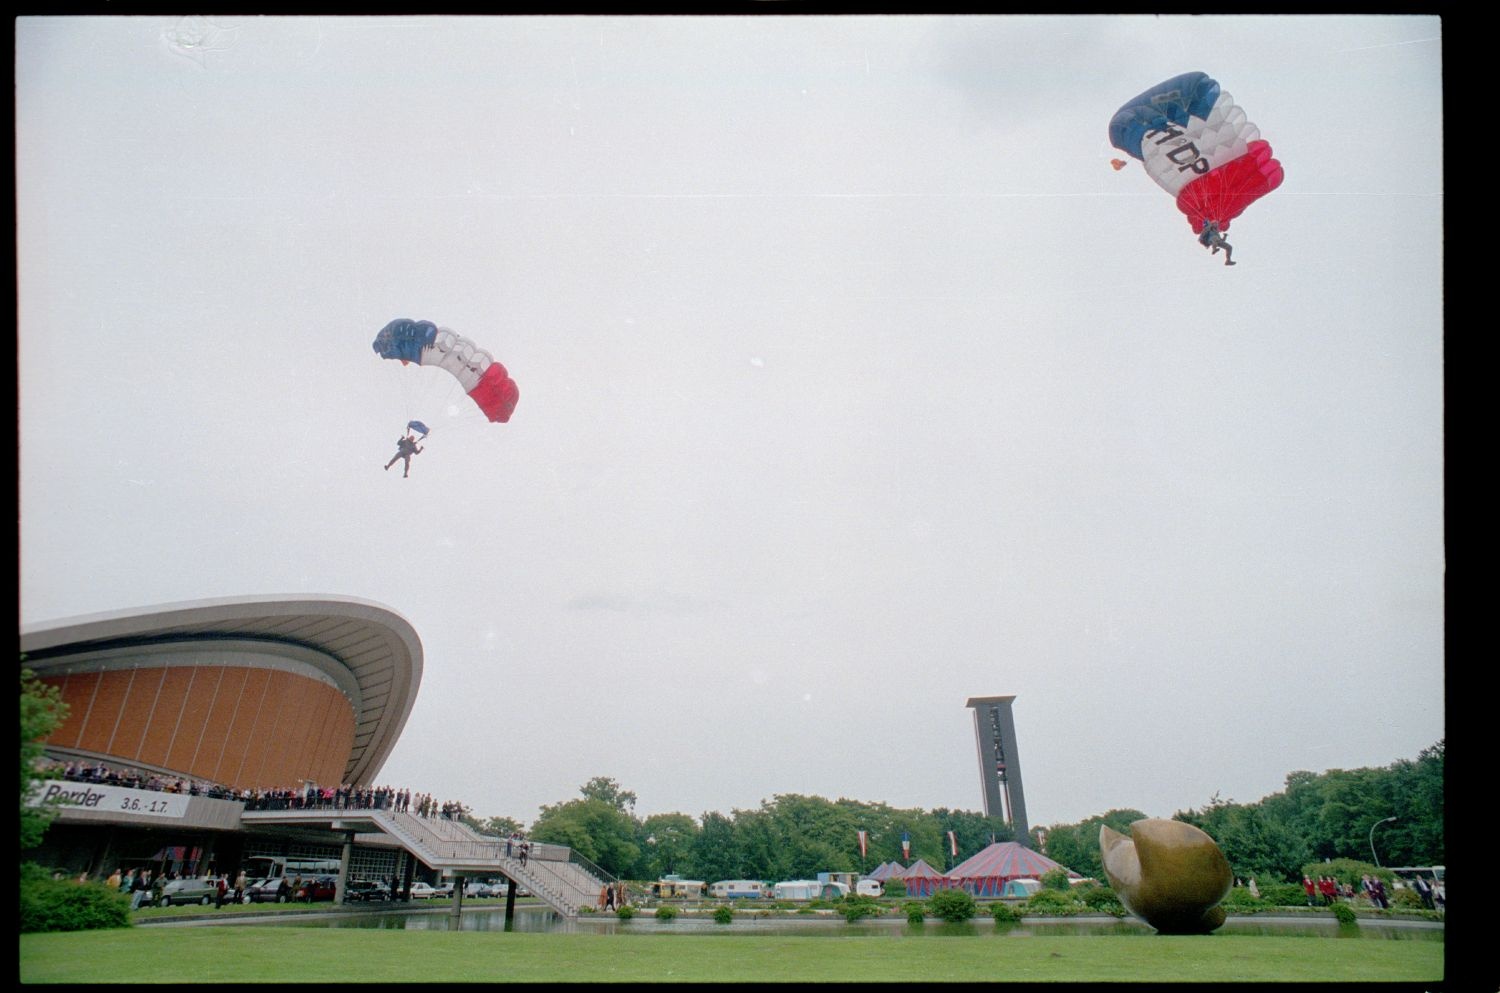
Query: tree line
x,y
1318,816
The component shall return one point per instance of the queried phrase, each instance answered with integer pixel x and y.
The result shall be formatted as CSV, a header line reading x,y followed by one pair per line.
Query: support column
x,y
458,900
342,886
407,876
510,902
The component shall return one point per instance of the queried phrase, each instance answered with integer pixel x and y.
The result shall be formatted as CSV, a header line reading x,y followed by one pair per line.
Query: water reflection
x,y
543,919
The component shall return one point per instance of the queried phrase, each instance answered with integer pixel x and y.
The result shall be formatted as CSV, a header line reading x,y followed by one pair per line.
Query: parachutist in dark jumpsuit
x,y
1211,238
406,447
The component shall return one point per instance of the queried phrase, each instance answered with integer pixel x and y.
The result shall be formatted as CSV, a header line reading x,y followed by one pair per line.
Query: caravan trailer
x,y
675,887
809,889
737,889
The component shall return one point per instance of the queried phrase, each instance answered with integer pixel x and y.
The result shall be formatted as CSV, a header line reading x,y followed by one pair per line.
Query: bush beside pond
x,y
49,904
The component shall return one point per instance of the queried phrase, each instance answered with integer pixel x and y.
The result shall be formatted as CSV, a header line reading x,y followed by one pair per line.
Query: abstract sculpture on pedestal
x,y
1169,874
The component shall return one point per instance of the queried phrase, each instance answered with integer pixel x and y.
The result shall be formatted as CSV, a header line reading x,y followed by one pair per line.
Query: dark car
x,y
189,891
367,890
278,890
322,888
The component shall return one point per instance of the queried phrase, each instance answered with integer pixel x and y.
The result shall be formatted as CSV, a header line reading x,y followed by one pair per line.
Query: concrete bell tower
x,y
1000,763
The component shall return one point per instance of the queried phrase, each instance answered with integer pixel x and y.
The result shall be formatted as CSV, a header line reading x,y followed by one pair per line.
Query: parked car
x,y
367,890
422,891
476,889
180,891
321,888
443,889
278,890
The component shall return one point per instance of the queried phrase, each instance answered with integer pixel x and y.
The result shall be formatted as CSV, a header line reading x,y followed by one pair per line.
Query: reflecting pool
x,y
535,918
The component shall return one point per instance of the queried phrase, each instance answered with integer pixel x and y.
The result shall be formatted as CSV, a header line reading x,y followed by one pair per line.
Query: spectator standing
x,y
140,887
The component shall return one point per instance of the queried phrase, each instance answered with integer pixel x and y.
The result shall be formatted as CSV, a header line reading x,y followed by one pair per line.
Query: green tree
x,y
1253,840
500,827
666,843
714,853
42,712
599,831
606,790
1076,846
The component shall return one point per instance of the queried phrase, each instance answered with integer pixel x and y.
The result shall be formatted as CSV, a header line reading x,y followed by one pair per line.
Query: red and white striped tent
x,y
985,873
886,870
922,879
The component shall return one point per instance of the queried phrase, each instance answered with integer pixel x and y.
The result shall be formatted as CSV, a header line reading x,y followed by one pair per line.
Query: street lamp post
x,y
1372,837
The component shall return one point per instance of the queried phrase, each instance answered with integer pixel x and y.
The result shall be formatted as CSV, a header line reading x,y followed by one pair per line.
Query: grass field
x,y
317,955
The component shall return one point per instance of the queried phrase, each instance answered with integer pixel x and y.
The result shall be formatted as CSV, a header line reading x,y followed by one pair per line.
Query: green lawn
x,y
312,955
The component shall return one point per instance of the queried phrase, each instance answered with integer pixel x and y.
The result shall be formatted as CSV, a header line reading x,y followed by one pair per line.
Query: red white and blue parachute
x,y
1198,146
423,342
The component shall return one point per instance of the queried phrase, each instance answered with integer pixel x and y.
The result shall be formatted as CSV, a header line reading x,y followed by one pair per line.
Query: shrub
x,y
916,913
1056,879
1344,913
856,907
1099,898
1283,894
723,915
895,888
1405,898
64,905
1052,902
665,913
625,913
1240,896
1004,913
952,905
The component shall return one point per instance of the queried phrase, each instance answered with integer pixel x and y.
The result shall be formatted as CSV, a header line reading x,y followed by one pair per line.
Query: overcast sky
x,y
854,383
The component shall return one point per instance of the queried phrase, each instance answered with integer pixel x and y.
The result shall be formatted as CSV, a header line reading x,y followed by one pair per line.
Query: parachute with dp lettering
x,y
1196,144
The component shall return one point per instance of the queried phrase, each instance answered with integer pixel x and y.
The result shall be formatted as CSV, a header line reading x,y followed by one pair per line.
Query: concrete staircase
x,y
551,872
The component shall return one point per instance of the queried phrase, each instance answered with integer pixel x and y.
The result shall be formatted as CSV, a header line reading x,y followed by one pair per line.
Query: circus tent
x,y
922,879
985,873
886,870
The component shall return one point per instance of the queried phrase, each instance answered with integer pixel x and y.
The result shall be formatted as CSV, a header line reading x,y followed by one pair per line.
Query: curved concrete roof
x,y
368,651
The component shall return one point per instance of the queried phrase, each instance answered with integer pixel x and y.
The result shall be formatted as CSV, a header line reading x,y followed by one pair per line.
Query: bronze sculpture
x,y
1168,873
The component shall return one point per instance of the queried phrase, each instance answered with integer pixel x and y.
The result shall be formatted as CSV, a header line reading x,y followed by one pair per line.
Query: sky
x,y
854,382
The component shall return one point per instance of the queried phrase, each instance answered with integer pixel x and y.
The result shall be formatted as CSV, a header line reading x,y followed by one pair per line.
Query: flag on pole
x,y
906,845
862,838
953,843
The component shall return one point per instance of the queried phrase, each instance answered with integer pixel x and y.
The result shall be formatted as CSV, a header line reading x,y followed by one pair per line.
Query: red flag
x,y
861,844
906,845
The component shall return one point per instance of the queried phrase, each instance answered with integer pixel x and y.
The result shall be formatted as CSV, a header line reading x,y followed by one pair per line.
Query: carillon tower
x,y
999,762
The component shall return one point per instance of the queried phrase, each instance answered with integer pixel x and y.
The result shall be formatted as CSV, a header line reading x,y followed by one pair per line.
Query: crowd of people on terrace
x,y
79,771
306,797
